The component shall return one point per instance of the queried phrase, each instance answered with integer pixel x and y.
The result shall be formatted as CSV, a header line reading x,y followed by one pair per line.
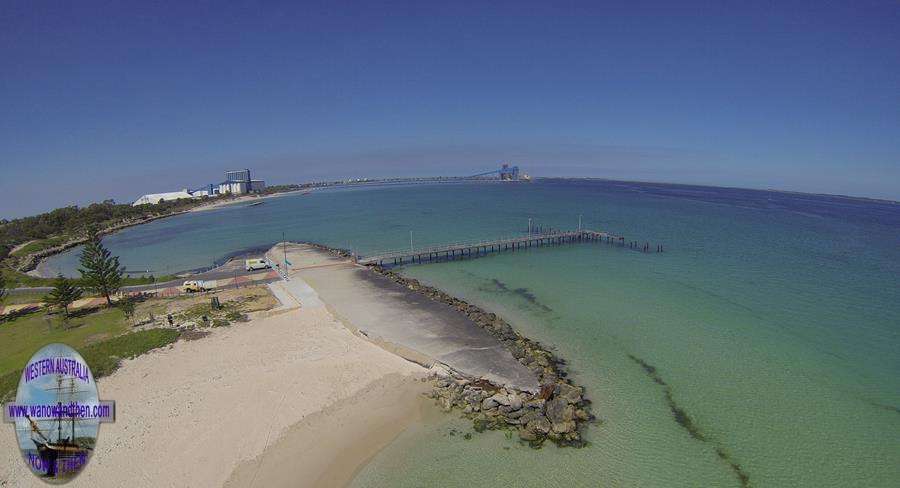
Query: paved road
x,y
231,269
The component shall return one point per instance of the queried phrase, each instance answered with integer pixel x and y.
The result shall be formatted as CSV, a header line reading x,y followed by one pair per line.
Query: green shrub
x,y
104,357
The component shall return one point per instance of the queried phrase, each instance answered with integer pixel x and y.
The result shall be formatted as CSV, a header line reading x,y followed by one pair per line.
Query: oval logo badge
x,y
57,413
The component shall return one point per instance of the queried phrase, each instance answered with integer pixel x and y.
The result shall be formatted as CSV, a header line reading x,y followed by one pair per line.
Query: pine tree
x,y
2,286
63,294
100,271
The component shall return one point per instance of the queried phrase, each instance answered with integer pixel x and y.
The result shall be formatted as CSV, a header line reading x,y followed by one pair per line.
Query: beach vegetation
x,y
105,356
17,279
38,245
54,228
104,335
100,335
127,306
236,316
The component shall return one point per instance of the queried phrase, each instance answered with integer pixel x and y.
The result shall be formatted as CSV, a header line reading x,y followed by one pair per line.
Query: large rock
x,y
489,403
559,411
503,399
515,414
564,427
514,402
517,351
572,394
537,403
539,425
504,330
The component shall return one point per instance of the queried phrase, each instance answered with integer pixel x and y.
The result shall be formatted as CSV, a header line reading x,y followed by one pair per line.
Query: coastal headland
x,y
316,387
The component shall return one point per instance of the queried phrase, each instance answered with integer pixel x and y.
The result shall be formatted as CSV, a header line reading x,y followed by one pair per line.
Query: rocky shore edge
x,y
31,261
559,411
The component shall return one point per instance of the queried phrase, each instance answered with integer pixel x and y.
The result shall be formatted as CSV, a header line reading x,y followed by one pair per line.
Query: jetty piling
x,y
535,237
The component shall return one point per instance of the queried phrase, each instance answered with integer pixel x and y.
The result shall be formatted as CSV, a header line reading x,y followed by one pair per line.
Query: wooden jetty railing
x,y
480,248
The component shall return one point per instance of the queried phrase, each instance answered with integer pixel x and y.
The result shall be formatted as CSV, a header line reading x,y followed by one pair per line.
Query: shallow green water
x,y
772,318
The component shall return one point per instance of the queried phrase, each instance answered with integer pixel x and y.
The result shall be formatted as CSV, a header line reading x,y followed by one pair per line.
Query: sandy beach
x,y
297,381
242,199
301,395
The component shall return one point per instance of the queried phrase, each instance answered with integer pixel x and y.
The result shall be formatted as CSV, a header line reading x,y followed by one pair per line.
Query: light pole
x,y
410,242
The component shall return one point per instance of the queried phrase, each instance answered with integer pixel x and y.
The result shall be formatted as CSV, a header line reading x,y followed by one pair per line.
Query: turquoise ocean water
x,y
772,319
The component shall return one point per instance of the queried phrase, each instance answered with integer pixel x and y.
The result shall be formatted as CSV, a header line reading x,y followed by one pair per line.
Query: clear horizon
x,y
148,98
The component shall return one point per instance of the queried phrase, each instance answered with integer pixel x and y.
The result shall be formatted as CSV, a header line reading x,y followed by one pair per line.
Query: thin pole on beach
x,y
284,250
410,242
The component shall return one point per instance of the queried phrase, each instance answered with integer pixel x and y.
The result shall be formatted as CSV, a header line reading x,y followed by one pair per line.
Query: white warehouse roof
x,y
154,198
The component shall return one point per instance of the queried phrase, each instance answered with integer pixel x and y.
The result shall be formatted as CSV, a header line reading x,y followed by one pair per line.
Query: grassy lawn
x,y
16,279
100,337
13,299
103,357
22,337
103,337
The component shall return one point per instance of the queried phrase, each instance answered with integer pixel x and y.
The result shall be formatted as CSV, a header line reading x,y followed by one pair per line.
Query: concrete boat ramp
x,y
395,317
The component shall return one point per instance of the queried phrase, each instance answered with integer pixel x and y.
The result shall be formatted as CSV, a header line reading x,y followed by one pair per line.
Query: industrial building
x,y
237,182
505,173
154,198
508,173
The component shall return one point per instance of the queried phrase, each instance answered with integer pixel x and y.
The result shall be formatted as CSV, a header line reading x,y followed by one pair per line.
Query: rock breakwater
x,y
557,411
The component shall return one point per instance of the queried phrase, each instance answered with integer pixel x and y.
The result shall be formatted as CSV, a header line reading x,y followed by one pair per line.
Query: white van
x,y
254,264
196,286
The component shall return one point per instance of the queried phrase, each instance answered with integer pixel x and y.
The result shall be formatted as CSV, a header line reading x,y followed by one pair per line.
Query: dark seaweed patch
x,y
882,406
684,419
524,293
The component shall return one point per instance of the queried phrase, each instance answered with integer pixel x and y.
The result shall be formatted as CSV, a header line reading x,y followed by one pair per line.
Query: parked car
x,y
254,264
196,286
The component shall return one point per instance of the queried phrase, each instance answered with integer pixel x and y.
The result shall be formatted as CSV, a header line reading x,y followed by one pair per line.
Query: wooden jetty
x,y
481,248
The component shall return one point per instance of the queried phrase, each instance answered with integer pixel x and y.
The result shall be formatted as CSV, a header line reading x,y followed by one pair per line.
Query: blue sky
x,y
116,99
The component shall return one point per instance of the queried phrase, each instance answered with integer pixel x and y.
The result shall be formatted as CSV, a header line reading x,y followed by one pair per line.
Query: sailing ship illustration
x,y
62,454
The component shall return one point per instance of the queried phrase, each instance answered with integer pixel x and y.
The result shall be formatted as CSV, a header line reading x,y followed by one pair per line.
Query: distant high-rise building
x,y
239,182
237,175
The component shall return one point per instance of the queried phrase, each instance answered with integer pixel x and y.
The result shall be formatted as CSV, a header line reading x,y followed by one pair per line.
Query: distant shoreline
x,y
33,268
34,271
718,187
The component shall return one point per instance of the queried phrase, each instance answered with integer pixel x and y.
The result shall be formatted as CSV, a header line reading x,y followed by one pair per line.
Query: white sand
x,y
242,199
189,415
